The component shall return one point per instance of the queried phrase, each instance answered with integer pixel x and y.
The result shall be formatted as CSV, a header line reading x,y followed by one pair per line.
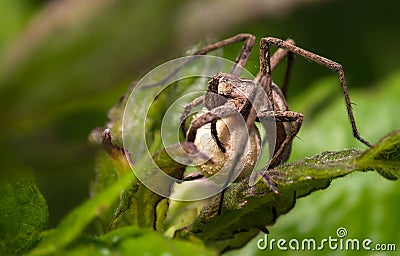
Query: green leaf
x,y
297,180
141,205
246,210
138,204
181,214
384,157
73,225
364,203
23,213
133,241
111,163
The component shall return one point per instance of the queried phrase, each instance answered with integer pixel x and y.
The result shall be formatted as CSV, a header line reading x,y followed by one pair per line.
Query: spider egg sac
x,y
207,145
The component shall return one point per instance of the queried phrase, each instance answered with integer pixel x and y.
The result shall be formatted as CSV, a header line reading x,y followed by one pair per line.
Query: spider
x,y
228,94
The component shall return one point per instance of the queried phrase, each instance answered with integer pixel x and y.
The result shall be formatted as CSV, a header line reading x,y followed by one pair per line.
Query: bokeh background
x,y
64,63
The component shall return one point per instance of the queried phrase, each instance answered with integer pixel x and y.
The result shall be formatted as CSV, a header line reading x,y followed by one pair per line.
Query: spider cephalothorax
x,y
229,88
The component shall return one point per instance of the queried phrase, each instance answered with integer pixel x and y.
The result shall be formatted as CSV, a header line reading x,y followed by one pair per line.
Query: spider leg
x,y
240,62
283,116
288,72
280,54
213,115
187,110
265,69
214,134
193,176
210,117
268,178
243,55
185,115
241,59
277,58
271,175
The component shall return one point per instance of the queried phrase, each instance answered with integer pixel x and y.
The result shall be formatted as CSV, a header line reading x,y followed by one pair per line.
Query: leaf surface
x,y
246,209
23,212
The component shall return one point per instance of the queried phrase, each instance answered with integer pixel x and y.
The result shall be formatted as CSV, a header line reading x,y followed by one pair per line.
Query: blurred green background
x,y
64,63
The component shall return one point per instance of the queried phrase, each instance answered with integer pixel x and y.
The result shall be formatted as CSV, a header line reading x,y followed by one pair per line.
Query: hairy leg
x,y
266,68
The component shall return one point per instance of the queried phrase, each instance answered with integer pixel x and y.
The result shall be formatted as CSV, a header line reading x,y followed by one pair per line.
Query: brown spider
x,y
228,94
